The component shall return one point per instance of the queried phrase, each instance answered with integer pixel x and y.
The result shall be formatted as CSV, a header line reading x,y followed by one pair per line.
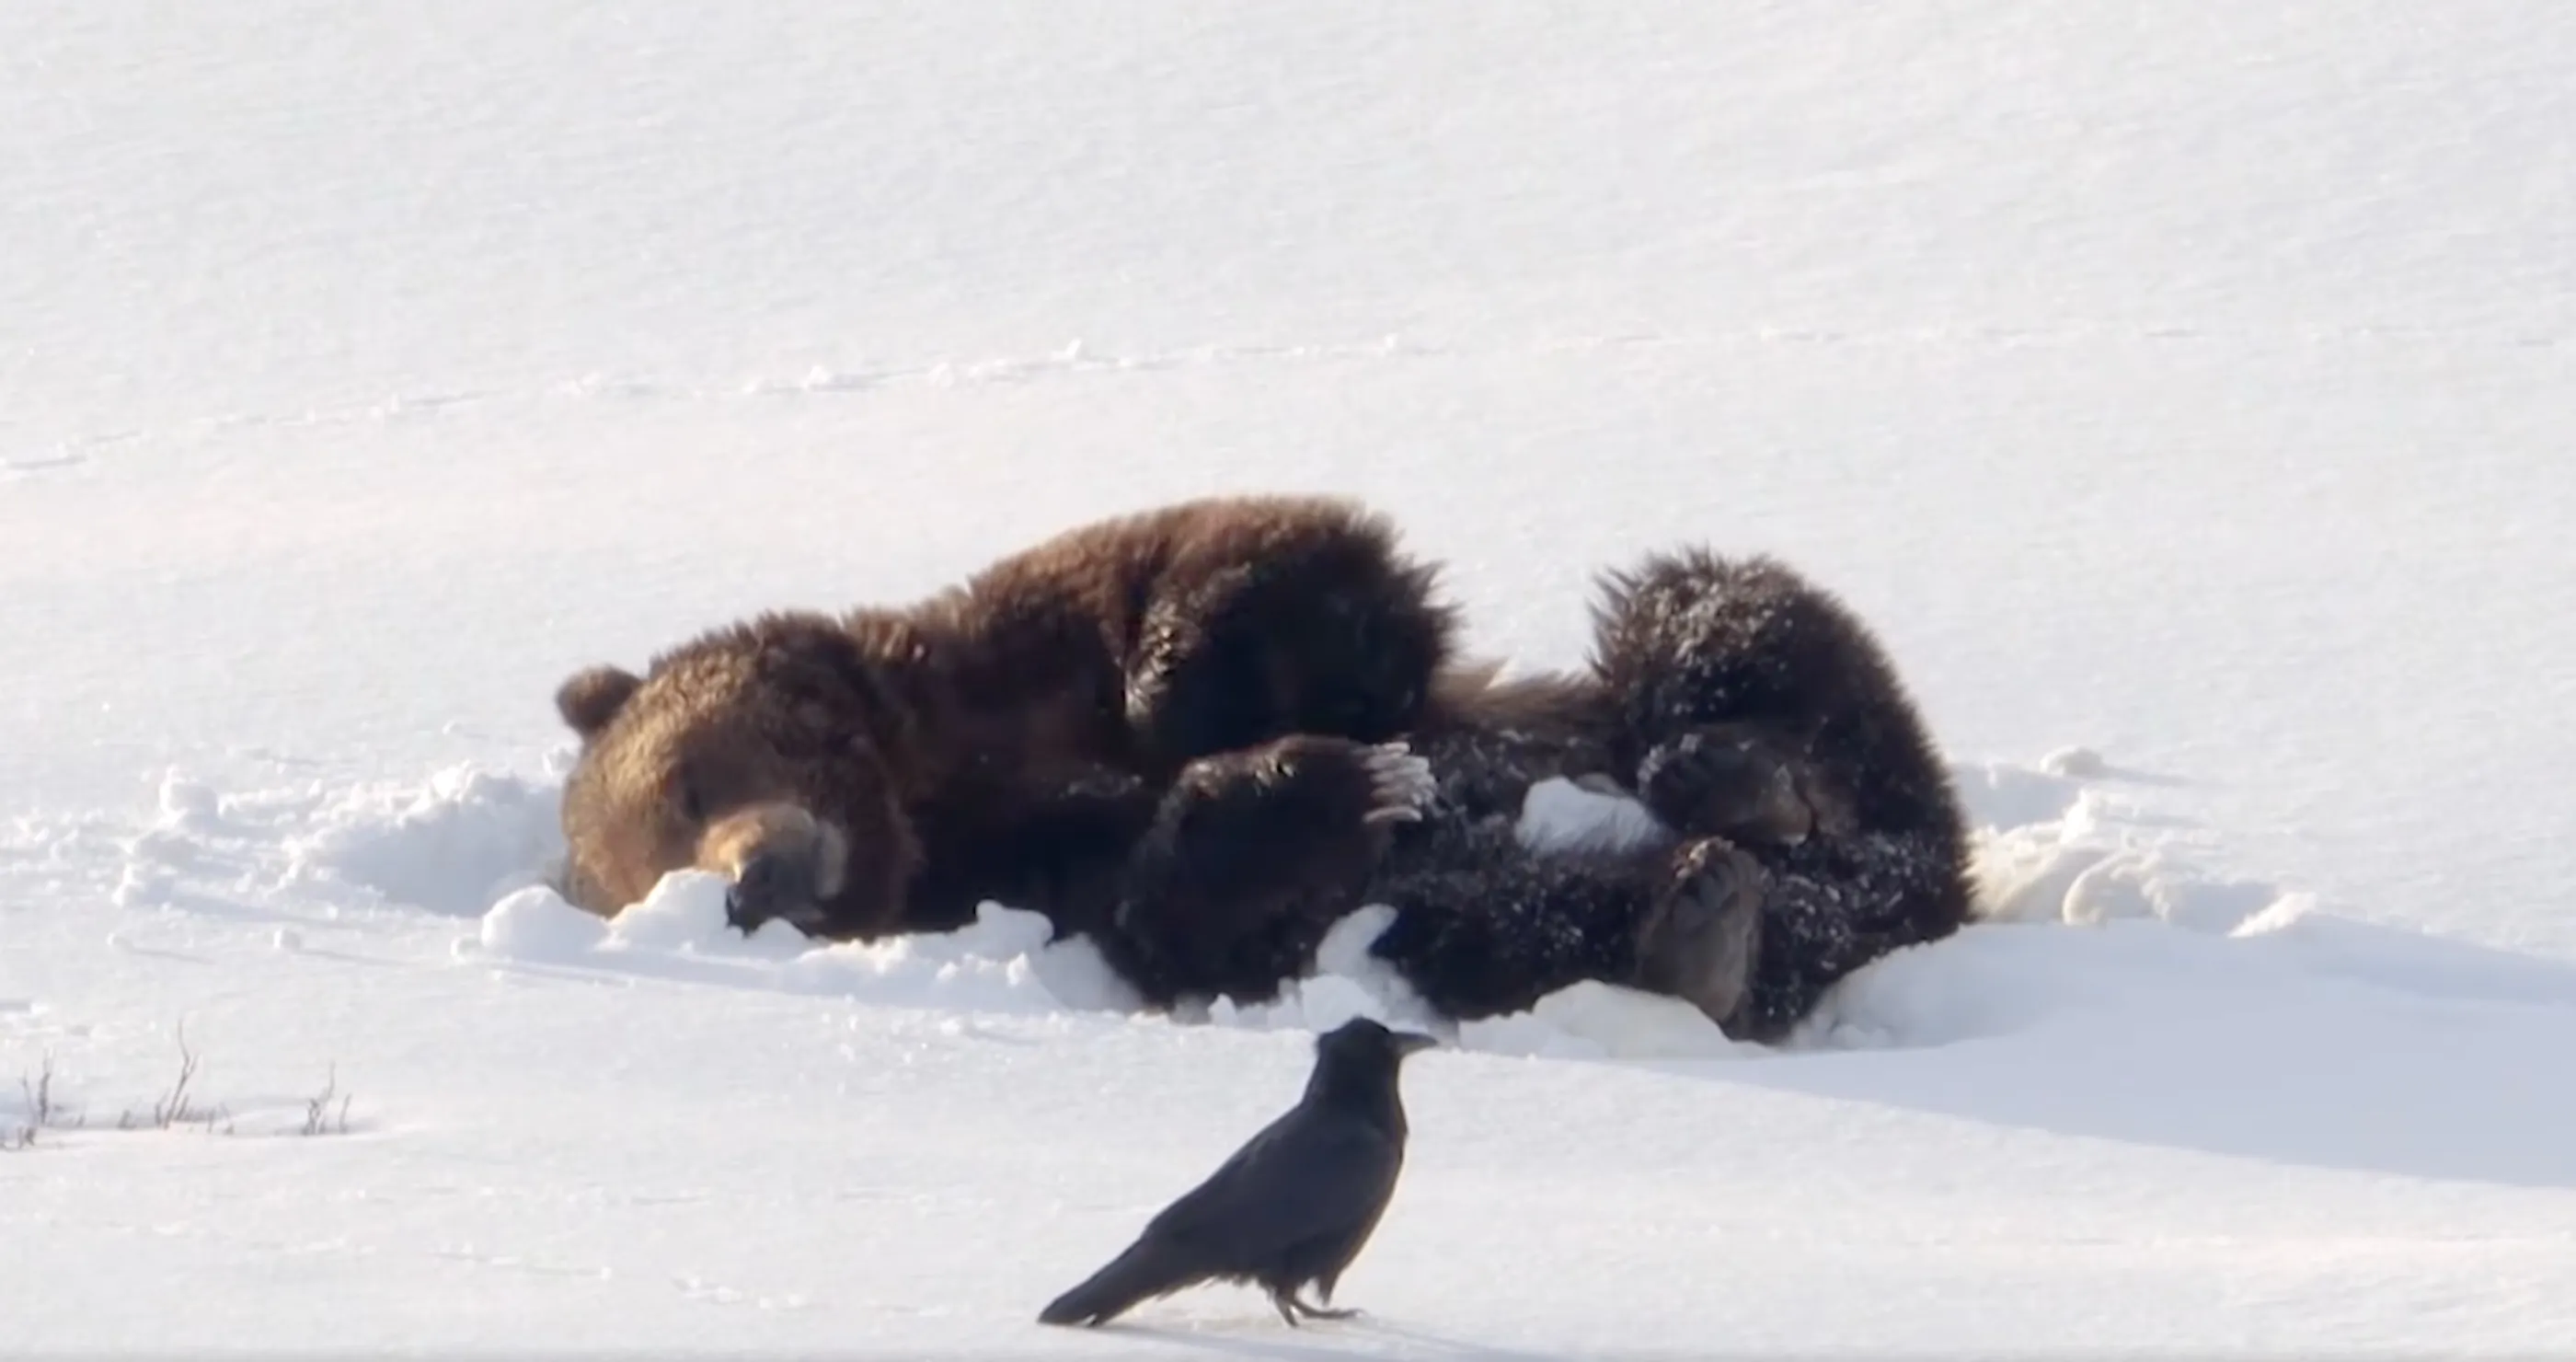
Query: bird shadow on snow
x,y
2114,990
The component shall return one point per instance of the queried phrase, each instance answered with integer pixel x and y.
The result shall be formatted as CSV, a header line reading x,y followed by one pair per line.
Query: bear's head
x,y
772,753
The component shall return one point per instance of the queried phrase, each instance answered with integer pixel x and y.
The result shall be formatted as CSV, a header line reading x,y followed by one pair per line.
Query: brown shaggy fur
x,y
868,773
1172,732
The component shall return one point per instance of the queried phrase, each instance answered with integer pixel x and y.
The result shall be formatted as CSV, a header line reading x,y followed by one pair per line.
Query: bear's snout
x,y
784,862
771,884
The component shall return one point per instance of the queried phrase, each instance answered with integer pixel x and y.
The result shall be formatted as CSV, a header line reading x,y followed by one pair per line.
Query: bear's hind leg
x,y
1701,936
1831,912
1486,926
1495,927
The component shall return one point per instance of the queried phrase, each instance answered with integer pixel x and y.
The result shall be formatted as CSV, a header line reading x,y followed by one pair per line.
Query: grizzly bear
x,y
887,769
1202,735
1805,825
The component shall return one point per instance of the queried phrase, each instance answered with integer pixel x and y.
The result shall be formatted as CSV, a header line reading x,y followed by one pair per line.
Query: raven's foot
x,y
1289,1308
1730,780
1702,933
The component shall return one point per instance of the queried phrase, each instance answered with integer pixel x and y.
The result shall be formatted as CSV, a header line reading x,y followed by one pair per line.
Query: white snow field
x,y
2183,390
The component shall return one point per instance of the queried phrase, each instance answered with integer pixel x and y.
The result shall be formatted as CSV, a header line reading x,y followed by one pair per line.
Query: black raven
x,y
1293,1206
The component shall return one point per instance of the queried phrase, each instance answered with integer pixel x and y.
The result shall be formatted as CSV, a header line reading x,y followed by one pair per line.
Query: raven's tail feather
x,y
1144,1271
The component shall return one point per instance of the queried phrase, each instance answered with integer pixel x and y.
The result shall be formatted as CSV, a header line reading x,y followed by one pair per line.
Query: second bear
x,y
1805,825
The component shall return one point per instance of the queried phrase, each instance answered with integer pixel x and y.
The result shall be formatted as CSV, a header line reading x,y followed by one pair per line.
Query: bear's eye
x,y
684,791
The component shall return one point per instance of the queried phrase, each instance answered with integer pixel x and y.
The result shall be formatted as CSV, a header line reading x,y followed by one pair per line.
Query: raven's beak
x,y
1410,1042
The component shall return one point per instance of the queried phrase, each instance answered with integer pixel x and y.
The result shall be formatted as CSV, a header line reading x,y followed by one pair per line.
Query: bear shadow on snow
x,y
2288,1034
1203,733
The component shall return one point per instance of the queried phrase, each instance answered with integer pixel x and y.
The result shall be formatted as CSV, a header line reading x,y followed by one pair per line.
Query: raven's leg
x,y
1284,1300
1251,857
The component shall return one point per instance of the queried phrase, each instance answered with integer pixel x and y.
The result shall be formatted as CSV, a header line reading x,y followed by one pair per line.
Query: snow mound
x,y
2077,845
1597,1021
1998,795
535,925
685,913
1003,962
452,845
1347,982
188,823
2065,844
2074,761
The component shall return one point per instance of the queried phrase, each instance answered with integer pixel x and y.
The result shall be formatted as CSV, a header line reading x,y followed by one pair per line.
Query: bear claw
x,y
1401,785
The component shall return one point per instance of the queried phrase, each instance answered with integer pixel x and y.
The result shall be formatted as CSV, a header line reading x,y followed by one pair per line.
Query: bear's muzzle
x,y
784,863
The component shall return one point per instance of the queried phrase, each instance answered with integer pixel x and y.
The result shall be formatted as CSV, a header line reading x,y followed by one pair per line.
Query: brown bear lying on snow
x,y
1200,735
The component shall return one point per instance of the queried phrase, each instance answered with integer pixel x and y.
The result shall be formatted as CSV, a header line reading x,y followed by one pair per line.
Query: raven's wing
x,y
1312,1172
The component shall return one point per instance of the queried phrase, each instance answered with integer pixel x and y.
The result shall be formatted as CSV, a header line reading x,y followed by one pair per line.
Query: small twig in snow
x,y
317,1108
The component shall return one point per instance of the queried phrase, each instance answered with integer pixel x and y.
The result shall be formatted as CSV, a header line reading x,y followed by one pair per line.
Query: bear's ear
x,y
589,698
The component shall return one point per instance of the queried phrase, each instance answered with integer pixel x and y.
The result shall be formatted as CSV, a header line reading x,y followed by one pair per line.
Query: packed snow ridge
x,y
2066,842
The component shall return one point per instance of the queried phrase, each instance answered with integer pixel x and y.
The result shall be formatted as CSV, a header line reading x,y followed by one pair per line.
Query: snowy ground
x,y
2185,386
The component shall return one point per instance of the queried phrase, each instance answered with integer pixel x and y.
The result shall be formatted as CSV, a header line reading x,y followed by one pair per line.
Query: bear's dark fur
x,y
1805,824
1176,733
885,770
1813,827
